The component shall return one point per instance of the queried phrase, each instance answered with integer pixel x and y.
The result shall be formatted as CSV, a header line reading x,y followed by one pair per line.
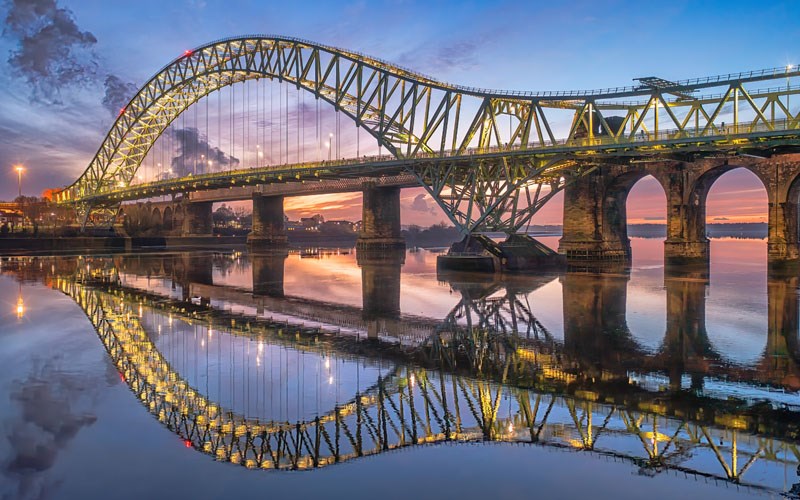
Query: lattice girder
x,y
411,115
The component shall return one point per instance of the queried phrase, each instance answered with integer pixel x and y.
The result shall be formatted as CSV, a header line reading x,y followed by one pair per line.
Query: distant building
x,y
312,223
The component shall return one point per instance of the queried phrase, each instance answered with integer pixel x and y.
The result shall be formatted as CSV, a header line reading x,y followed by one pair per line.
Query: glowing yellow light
x,y
20,307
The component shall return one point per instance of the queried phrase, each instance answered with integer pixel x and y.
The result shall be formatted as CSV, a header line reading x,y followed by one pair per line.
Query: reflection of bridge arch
x,y
421,407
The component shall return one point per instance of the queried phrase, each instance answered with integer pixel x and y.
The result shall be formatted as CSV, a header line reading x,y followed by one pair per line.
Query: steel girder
x,y
414,116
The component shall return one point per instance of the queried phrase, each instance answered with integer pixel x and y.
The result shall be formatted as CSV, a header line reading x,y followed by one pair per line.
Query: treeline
x,y
435,236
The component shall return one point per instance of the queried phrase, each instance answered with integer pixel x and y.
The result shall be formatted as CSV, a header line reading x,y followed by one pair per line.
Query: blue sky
x,y
509,45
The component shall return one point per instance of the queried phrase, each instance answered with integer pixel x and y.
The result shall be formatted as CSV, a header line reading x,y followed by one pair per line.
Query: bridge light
x,y
789,67
121,111
187,53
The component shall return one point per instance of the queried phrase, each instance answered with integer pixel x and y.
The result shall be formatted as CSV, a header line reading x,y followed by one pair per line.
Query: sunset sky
x,y
60,59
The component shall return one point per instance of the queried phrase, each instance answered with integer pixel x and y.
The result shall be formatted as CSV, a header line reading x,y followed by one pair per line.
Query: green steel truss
x,y
430,124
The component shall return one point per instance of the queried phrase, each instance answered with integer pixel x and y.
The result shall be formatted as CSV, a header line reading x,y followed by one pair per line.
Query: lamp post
x,y
20,169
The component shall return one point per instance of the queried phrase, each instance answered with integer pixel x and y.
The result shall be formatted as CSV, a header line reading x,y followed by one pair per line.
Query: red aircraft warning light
x,y
187,53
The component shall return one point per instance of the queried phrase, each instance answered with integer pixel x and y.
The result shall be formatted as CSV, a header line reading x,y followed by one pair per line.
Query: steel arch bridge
x,y
489,158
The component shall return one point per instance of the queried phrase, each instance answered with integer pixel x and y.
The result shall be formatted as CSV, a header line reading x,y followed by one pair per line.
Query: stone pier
x,y
269,228
380,222
197,220
595,226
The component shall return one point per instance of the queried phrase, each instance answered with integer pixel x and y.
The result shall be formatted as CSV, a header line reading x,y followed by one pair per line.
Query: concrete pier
x,y
269,228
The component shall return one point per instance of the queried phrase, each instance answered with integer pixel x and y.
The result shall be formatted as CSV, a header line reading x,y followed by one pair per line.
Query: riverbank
x,y
14,246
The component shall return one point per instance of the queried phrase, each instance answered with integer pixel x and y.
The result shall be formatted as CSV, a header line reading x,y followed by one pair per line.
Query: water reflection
x,y
255,376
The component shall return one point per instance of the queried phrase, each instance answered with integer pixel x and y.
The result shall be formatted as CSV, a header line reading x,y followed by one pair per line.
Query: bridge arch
x,y
167,223
698,197
615,205
156,217
378,96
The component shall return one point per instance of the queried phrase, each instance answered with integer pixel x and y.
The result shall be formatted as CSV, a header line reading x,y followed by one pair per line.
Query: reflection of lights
x,y
20,307
202,342
327,363
510,427
169,320
330,380
260,347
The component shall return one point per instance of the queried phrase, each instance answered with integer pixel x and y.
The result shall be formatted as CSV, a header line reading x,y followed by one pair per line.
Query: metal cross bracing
x,y
484,155
415,406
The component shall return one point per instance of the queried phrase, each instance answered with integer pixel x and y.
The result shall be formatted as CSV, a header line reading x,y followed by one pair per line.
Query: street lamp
x,y
19,169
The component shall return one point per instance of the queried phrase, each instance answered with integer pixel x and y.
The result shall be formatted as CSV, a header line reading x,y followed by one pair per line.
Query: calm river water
x,y
322,373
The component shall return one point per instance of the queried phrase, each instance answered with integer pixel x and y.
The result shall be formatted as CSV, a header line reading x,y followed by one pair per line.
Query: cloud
x,y
458,54
420,204
117,94
721,218
52,52
48,420
195,152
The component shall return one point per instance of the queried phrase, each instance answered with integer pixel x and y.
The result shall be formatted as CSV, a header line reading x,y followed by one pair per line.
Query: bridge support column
x,y
268,222
197,219
380,221
784,193
686,241
782,245
380,288
268,270
595,229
